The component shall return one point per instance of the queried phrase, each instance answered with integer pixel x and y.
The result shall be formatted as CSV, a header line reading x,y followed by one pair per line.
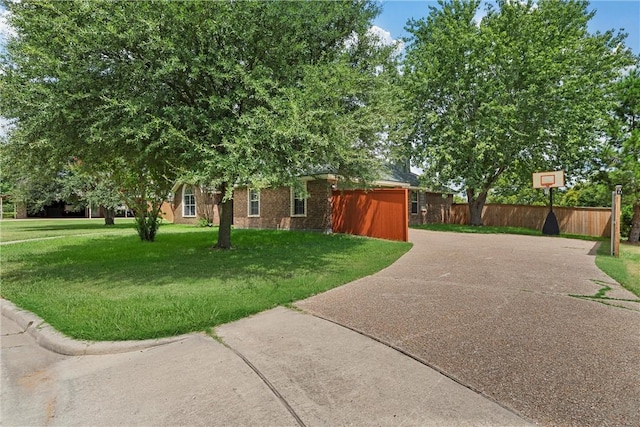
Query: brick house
x,y
283,208
189,204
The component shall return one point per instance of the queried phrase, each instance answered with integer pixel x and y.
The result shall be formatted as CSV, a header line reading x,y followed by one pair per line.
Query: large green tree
x,y
526,89
625,139
224,93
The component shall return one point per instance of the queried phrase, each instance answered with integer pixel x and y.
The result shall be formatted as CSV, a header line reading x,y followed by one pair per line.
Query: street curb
x,y
49,338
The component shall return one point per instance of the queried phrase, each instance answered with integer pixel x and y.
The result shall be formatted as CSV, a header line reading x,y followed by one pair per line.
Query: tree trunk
x,y
634,233
475,206
225,209
109,216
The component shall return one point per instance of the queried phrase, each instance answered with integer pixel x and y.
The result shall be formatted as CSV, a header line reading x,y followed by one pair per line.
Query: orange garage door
x,y
381,213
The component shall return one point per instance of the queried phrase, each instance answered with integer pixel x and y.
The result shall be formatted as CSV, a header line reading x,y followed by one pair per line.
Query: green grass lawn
x,y
625,269
12,230
487,229
478,230
115,287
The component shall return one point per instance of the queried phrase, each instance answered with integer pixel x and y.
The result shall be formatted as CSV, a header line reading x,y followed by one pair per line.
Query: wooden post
x,y
615,237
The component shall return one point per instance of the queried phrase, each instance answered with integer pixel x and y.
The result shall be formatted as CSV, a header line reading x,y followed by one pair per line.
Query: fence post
x,y
615,221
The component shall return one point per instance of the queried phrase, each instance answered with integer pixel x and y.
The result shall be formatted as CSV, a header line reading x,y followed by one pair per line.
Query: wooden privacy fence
x,y
380,213
572,220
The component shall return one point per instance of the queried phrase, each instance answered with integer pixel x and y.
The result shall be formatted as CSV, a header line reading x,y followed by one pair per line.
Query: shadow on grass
x,y
117,287
182,256
119,261
97,225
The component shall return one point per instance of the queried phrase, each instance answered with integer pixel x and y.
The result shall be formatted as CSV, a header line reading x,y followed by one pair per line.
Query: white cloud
x,y
381,34
385,39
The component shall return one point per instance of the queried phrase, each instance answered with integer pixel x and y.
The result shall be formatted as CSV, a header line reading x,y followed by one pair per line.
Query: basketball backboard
x,y
553,179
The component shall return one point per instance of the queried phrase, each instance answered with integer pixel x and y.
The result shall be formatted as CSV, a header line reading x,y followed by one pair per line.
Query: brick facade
x,y
433,208
275,208
206,207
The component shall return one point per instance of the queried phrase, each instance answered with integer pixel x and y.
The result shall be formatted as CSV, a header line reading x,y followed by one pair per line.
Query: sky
x,y
610,14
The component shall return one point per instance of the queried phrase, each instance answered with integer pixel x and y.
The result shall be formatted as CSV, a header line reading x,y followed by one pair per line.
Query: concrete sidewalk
x,y
280,367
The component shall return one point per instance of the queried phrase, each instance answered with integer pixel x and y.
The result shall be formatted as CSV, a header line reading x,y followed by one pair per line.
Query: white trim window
x,y
414,202
253,205
299,202
188,202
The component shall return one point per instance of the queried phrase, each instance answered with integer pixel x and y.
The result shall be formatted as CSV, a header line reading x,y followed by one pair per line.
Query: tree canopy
x,y
526,89
625,142
222,92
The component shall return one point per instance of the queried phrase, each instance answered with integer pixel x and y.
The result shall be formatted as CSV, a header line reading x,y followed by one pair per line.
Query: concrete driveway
x,y
464,330
511,317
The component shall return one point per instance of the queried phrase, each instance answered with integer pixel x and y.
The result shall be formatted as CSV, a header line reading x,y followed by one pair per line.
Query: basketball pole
x,y
551,227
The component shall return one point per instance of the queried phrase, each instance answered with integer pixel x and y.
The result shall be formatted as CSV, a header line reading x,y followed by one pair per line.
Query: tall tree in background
x,y
526,89
223,92
625,139
75,90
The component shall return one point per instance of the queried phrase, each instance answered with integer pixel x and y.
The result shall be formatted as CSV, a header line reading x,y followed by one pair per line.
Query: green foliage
x,y
528,89
624,136
110,287
225,92
587,194
205,222
509,192
626,220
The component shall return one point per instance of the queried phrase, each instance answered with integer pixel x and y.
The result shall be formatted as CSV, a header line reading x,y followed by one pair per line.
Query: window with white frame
x,y
298,202
188,202
254,203
414,202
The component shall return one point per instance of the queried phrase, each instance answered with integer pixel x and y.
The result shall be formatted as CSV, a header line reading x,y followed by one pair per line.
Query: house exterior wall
x,y
275,208
438,208
206,207
433,208
418,217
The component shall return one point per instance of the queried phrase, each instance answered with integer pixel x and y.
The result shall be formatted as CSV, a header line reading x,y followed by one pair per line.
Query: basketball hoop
x,y
548,181
553,179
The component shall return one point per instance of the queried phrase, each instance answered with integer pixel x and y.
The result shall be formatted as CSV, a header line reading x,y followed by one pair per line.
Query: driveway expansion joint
x,y
266,381
427,364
